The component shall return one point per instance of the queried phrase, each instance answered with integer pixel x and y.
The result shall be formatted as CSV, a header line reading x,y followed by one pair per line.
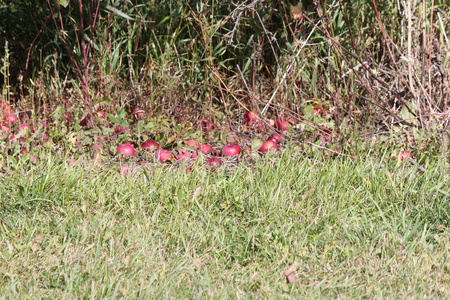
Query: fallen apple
x,y
149,145
125,170
267,146
120,129
24,130
96,147
138,112
9,119
250,118
126,149
193,144
261,126
405,154
324,139
183,156
5,107
195,154
230,149
84,121
206,149
214,162
281,124
206,125
5,128
275,137
317,111
163,155
101,114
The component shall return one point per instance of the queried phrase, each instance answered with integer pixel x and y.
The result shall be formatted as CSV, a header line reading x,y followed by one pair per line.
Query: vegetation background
x,y
365,62
332,215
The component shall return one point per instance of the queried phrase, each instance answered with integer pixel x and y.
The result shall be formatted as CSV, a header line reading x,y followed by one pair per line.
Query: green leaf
x,y
406,115
112,118
58,113
118,12
181,194
64,3
140,127
256,144
308,112
6,254
121,113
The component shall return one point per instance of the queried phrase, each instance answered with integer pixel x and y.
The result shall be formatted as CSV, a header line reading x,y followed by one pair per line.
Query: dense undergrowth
x,y
337,72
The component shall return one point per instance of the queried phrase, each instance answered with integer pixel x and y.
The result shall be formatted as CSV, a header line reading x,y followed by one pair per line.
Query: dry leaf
x,y
296,10
196,193
290,277
289,273
97,157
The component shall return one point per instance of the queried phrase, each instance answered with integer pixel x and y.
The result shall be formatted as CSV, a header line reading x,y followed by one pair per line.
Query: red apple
x,y
324,139
10,119
195,154
405,154
206,125
261,126
317,111
24,130
125,170
5,107
230,149
281,124
183,156
126,149
163,155
268,145
250,118
275,137
193,144
138,112
101,114
5,129
84,121
120,129
206,149
149,145
24,126
96,147
214,162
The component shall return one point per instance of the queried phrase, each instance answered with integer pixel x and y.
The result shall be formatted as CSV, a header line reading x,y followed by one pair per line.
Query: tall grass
x,y
363,61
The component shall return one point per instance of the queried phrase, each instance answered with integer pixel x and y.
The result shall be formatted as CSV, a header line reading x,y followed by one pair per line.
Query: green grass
x,y
375,228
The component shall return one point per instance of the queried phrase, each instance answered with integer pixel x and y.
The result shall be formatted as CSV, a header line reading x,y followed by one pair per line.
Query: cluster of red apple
x,y
228,150
9,120
194,148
